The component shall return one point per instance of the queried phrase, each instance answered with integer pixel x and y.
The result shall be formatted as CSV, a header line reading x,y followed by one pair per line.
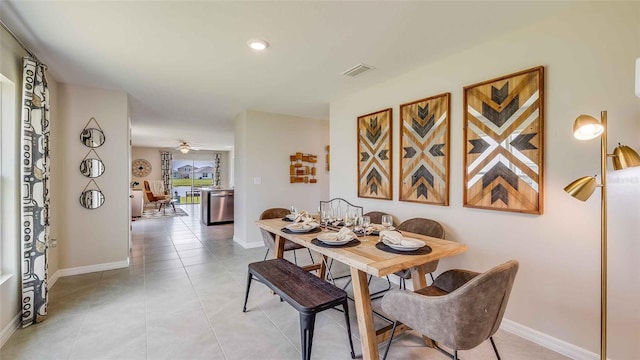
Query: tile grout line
x,y
213,331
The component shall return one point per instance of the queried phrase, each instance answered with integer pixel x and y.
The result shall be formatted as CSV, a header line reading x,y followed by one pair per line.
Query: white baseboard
x,y
52,280
91,268
8,330
246,245
548,341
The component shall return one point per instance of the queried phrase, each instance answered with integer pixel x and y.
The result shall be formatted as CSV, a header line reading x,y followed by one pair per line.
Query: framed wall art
x,y
503,143
424,150
374,155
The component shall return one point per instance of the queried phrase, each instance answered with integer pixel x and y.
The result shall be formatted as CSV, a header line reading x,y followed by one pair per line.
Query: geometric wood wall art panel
x,y
302,168
503,143
374,155
424,150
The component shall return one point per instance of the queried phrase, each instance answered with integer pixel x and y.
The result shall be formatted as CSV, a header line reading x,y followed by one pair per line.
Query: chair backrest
x,y
474,311
148,193
423,226
269,238
339,207
375,216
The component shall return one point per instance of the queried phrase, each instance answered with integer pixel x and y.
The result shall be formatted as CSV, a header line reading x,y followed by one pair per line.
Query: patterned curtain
x,y
166,158
216,171
35,192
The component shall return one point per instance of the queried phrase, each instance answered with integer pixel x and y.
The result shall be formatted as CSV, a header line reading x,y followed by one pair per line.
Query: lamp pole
x,y
603,238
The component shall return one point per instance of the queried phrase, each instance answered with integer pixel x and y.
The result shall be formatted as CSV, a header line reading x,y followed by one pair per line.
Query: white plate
x,y
291,217
408,244
332,239
300,227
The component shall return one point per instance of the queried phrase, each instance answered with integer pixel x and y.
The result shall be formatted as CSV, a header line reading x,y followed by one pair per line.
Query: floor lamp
x,y
587,127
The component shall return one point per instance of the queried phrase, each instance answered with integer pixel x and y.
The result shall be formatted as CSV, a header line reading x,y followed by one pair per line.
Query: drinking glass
x,y
325,216
357,224
387,221
349,215
366,224
294,210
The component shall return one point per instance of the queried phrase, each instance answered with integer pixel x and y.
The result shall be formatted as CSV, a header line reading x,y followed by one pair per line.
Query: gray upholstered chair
x,y
425,227
460,310
269,239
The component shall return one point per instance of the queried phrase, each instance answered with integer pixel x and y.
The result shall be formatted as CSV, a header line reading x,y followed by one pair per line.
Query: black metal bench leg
x,y
246,295
307,324
345,306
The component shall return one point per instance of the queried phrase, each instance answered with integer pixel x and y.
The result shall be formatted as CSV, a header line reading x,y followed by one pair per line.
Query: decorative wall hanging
x,y
34,191
374,155
140,167
424,141
92,167
92,137
328,157
299,172
503,143
91,198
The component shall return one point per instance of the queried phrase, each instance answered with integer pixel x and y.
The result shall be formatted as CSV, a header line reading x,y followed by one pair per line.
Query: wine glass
x,y
366,224
348,217
357,224
325,216
387,221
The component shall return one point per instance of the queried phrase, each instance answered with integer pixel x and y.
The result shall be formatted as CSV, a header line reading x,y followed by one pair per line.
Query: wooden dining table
x,y
362,260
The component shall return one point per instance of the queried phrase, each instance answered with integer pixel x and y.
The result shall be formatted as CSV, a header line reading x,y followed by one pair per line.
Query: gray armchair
x,y
460,310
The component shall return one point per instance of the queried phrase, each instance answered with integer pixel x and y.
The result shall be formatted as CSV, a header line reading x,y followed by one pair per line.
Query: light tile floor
x,y
181,298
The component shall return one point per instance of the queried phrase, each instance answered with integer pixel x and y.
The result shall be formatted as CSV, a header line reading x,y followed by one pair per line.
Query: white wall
x,y
263,144
152,155
589,54
92,238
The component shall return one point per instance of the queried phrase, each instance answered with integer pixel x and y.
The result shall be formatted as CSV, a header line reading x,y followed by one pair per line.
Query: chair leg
x,y
495,349
393,331
311,256
376,295
265,255
246,294
295,258
403,284
455,354
432,279
345,306
307,324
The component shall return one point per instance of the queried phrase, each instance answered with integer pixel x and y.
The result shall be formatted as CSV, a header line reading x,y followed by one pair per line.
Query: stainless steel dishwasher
x,y
217,206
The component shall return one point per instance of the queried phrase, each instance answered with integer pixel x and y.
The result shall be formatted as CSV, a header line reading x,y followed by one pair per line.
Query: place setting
x,y
394,242
302,222
343,238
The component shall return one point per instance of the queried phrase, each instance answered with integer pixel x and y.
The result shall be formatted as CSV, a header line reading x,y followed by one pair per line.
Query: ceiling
x,y
188,70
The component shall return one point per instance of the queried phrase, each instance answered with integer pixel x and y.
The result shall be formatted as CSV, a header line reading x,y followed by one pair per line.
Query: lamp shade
x,y
587,127
184,148
624,157
582,188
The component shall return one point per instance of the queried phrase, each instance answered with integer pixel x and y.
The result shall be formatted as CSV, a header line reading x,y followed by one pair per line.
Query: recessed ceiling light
x,y
258,44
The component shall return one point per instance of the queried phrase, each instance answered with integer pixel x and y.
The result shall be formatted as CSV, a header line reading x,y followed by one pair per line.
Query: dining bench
x,y
307,293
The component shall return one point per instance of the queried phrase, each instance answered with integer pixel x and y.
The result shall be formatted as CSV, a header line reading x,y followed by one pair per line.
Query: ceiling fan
x,y
184,147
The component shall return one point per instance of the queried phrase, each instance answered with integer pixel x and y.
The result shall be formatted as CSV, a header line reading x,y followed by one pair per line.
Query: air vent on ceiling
x,y
357,70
